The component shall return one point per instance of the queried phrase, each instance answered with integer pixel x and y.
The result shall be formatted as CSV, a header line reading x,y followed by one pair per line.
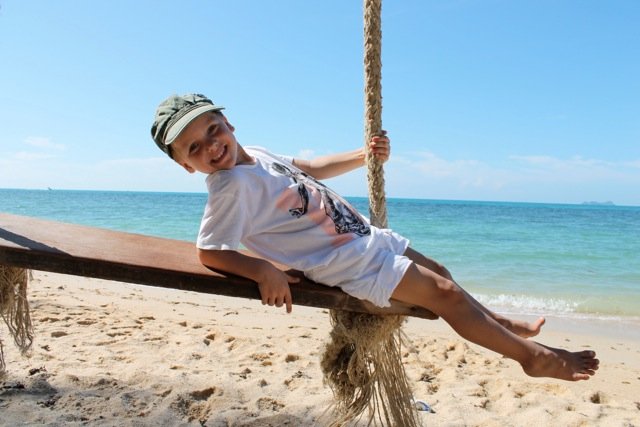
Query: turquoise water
x,y
566,260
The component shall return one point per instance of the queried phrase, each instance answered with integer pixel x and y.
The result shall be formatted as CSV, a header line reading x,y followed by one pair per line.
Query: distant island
x,y
607,203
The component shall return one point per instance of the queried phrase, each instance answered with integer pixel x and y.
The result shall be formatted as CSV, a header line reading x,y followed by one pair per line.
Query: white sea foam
x,y
561,307
527,304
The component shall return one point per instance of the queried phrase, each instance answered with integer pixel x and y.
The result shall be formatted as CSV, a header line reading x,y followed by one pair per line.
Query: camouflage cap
x,y
174,114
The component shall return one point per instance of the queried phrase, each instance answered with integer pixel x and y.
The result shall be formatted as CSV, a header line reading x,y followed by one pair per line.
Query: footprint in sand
x,y
233,342
196,405
290,382
263,358
429,376
164,393
141,320
54,319
105,343
291,358
598,398
267,403
456,352
117,334
484,404
432,386
206,393
207,340
244,374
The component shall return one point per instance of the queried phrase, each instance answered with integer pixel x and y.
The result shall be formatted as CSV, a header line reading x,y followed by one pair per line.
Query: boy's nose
x,y
213,145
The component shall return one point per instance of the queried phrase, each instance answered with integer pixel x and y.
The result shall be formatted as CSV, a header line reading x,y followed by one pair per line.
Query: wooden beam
x,y
113,255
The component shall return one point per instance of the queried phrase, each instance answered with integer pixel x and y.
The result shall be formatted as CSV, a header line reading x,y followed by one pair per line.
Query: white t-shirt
x,y
279,212
282,214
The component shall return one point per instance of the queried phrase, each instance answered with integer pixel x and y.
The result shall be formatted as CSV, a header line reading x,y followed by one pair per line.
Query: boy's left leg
x,y
519,327
444,297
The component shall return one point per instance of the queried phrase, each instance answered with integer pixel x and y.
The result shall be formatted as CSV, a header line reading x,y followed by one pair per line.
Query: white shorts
x,y
372,274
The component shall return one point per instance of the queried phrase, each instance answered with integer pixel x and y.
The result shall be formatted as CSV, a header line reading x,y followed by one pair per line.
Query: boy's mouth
x,y
221,154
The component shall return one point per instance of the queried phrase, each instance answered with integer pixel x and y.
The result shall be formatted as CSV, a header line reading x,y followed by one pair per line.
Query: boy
x,y
278,210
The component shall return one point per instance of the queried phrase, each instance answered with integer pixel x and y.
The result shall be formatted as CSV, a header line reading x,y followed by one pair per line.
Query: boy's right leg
x,y
445,298
518,327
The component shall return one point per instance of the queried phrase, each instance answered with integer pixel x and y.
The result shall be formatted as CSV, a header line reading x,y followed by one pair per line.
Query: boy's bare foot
x,y
523,329
562,364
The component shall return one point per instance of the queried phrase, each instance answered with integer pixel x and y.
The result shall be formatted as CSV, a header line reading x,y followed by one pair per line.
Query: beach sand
x,y
109,353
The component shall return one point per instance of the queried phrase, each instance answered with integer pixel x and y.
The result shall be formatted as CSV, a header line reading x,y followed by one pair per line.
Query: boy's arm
x,y
273,283
336,164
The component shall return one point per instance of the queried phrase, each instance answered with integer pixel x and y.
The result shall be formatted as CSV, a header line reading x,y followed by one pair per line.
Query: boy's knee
x,y
443,271
450,292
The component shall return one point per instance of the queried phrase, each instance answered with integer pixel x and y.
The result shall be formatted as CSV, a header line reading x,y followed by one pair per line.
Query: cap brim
x,y
184,121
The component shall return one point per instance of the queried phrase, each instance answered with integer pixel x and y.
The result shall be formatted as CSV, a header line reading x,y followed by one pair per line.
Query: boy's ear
x,y
179,160
187,167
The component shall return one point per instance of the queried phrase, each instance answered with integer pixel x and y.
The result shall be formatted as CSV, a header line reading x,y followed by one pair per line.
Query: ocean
x,y
578,261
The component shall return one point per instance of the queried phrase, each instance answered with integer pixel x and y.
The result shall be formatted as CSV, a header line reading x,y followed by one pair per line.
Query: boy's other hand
x,y
380,147
274,288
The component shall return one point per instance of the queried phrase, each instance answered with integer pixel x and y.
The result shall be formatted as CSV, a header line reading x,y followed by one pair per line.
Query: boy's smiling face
x,y
208,145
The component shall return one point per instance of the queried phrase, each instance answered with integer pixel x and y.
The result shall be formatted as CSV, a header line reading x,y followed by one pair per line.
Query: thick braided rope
x,y
14,309
362,362
373,107
393,387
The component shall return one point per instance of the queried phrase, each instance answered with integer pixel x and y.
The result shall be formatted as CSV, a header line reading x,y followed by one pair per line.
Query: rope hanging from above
x,y
362,362
14,308
373,108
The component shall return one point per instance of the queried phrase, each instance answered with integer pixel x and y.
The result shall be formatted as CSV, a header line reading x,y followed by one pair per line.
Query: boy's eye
x,y
193,148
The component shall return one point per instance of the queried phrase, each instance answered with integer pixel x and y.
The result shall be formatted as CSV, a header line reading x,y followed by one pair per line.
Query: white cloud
x,y
461,173
147,174
549,162
518,178
44,149
535,160
429,164
137,163
143,174
633,164
574,169
29,156
43,142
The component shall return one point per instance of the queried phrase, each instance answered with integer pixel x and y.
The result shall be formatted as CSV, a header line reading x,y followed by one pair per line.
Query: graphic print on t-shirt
x,y
343,217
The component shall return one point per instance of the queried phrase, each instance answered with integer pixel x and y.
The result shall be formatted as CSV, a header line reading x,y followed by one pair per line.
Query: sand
x,y
109,353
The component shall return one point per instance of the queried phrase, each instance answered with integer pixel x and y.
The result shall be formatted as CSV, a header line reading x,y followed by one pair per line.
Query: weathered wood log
x,y
134,258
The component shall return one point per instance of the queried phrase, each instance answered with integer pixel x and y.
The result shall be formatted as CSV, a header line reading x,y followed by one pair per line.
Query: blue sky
x,y
483,100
